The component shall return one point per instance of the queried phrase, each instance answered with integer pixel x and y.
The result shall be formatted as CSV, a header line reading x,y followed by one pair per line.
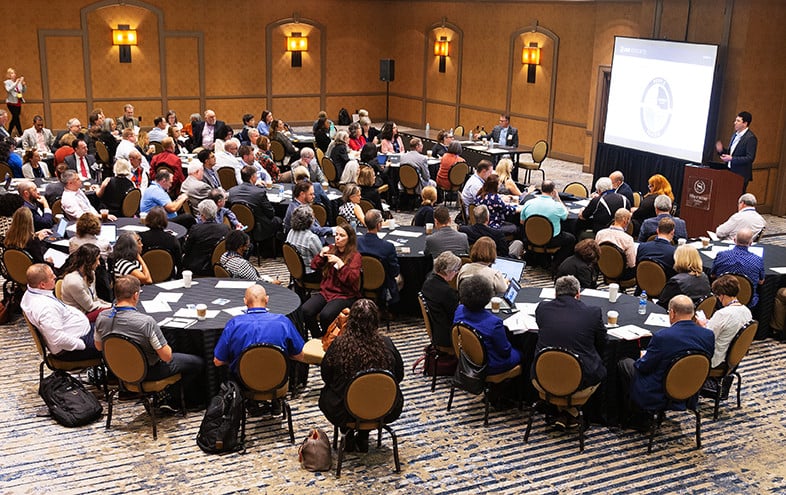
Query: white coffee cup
x,y
612,317
614,292
429,228
429,153
392,223
705,242
496,302
681,242
143,217
201,310
187,274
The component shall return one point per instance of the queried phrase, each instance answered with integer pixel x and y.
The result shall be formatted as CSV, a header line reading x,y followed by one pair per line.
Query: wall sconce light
x,y
442,50
530,56
124,38
296,45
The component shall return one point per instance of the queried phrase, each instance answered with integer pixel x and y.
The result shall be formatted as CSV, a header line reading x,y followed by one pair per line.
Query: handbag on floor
x,y
446,364
314,453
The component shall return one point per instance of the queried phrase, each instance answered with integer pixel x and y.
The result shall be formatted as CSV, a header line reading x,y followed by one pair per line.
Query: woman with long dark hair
x,y
21,235
359,348
390,141
79,283
127,257
340,265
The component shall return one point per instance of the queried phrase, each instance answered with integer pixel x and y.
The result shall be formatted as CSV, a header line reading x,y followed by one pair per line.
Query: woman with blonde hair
x,y
506,183
690,278
482,255
21,235
15,88
351,210
424,215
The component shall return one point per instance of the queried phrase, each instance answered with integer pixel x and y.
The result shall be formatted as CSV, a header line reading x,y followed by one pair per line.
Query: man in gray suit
x,y
267,223
445,238
38,136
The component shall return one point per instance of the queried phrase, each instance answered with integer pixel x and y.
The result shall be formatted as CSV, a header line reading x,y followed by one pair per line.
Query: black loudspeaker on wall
x,y
387,70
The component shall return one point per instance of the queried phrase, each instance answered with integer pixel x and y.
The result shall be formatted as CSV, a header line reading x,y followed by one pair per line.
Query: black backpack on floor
x,y
220,428
69,403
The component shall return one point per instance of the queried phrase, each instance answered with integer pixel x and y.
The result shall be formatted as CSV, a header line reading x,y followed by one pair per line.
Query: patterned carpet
x,y
440,452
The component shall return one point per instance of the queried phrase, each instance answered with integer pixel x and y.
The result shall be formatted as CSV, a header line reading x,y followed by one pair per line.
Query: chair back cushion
x,y
293,261
707,305
540,151
102,153
746,288
409,178
221,248
371,395
366,205
425,313
329,169
17,261
457,174
227,178
466,338
558,371
741,343
125,358
245,215
220,272
650,277
160,263
320,213
538,230
577,189
373,273
130,206
263,368
38,339
277,150
611,261
686,375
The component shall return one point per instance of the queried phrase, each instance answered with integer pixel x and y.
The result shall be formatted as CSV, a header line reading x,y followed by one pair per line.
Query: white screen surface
x,y
659,96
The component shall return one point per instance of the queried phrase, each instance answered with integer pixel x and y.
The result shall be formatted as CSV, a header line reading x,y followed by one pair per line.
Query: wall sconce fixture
x,y
442,50
124,38
296,45
530,56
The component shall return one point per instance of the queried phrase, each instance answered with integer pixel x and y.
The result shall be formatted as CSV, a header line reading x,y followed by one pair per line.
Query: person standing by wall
x,y
15,87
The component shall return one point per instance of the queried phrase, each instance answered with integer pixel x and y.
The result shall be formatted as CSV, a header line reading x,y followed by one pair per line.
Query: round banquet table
x,y
606,403
200,338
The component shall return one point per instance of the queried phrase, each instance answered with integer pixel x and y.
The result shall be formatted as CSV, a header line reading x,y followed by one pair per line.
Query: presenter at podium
x,y
741,152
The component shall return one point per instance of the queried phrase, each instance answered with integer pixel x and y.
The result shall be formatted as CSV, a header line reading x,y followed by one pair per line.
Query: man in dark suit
x,y
505,135
267,223
568,323
371,244
481,228
80,161
204,133
42,215
4,134
741,152
644,377
661,249
620,186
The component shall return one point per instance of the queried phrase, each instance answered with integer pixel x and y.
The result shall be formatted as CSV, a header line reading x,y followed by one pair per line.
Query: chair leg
x,y
341,452
395,447
653,427
434,373
581,430
110,400
152,411
529,421
542,172
486,404
40,374
379,437
450,399
717,402
335,437
289,421
243,426
698,428
182,399
739,386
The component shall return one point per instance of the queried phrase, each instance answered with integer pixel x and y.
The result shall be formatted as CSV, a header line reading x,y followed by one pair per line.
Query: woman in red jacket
x,y
340,264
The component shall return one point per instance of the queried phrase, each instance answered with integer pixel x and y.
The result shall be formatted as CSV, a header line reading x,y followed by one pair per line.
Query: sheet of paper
x,y
71,228
381,235
237,310
61,242
405,233
582,202
332,196
629,332
779,269
521,322
712,253
174,284
176,322
135,228
219,301
234,284
658,320
191,313
548,293
58,257
169,296
602,294
575,210
396,244
527,308
712,235
757,250
156,306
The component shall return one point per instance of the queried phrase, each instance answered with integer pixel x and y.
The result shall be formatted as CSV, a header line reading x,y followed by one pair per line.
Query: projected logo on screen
x,y
656,107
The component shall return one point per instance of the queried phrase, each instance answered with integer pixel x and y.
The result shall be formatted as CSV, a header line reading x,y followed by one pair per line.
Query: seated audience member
x,y
179,138
194,186
356,138
21,235
157,195
499,210
38,205
385,251
219,197
309,161
300,174
263,125
277,128
202,239
617,234
304,240
74,201
234,261
350,173
657,185
601,208
158,237
65,329
54,190
88,228
661,249
583,264
746,217
445,238
662,210
568,323
370,157
360,347
620,186
256,326
389,139
419,160
368,188
644,379
210,176
482,255
549,205
322,134
441,298
340,265
444,138
124,319
140,175
264,157
506,183
451,157
113,190
727,321
267,224
169,159
127,258
741,261
690,279
425,214
371,133
32,167
79,283
303,194
475,293
481,228
350,209
483,171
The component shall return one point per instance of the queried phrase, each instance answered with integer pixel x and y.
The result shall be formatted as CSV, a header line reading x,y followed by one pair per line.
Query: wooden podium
x,y
709,197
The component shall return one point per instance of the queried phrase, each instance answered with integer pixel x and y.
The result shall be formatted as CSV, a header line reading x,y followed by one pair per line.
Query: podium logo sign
x,y
699,193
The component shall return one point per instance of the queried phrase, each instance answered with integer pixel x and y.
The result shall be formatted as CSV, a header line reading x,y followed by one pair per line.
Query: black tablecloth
x,y
414,266
200,339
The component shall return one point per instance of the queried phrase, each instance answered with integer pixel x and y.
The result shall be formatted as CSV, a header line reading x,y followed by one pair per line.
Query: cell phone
x,y
700,315
7,181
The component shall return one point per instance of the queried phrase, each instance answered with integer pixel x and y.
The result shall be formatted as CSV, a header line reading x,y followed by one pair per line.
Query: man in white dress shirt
x,y
746,217
74,201
158,132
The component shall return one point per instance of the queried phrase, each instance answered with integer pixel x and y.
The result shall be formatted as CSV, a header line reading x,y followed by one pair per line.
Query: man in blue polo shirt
x,y
549,205
740,261
157,195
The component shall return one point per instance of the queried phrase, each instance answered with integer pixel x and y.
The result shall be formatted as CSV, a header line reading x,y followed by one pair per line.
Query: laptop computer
x,y
59,232
508,304
511,268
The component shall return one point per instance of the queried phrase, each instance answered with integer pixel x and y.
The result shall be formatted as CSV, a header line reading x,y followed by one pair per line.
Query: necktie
x,y
83,167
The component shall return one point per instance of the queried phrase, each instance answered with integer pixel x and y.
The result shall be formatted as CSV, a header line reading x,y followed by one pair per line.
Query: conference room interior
x,y
238,63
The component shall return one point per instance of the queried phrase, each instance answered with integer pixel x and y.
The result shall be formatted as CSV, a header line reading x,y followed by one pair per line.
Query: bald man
x,y
741,261
256,326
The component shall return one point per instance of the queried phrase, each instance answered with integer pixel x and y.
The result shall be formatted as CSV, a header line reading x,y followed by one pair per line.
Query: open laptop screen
x,y
512,269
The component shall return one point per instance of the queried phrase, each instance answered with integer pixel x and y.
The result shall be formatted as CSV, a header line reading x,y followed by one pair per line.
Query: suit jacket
x,y
198,249
41,220
267,224
70,161
512,139
30,140
659,250
198,127
4,132
372,245
478,230
569,323
744,153
650,227
123,124
646,388
626,191
446,239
